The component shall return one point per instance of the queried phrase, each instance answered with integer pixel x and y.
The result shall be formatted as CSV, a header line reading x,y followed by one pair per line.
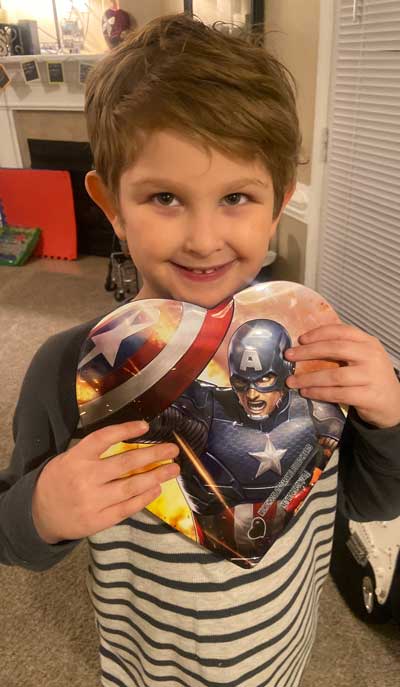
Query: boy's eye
x,y
233,198
164,198
167,199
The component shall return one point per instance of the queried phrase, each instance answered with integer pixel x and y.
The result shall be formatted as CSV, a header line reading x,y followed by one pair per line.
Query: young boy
x,y
195,140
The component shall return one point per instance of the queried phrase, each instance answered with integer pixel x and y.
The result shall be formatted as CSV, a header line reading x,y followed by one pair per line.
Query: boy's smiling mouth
x,y
203,273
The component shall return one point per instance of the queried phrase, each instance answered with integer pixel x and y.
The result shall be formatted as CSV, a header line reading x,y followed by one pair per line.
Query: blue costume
x,y
254,464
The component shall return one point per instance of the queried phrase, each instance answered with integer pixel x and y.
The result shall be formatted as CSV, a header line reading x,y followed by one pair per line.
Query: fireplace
x,y
95,234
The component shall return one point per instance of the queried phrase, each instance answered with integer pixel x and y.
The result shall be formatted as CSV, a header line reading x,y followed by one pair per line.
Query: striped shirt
x,y
172,613
169,612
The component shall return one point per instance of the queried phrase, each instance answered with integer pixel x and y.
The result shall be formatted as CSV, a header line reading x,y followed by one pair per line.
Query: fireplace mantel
x,y
37,95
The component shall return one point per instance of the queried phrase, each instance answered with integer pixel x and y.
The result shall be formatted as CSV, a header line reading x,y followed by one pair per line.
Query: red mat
x,y
41,198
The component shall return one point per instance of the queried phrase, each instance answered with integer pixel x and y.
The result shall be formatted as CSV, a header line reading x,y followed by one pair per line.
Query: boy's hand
x,y
77,494
365,379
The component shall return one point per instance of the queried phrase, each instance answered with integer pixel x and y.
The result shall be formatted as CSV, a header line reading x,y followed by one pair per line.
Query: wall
x,y
208,10
293,31
290,247
145,11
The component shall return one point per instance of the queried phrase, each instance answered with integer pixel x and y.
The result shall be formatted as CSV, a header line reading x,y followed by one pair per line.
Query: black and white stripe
x,y
172,614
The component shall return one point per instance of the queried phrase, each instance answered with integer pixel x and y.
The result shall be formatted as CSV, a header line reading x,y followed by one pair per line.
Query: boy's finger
x,y
350,396
122,490
117,466
117,513
327,332
338,376
100,441
342,351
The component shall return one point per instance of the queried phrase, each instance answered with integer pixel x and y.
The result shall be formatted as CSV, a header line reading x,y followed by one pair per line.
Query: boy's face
x,y
197,227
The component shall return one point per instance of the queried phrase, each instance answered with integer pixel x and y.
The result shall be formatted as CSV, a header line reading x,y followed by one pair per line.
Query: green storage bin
x,y
17,244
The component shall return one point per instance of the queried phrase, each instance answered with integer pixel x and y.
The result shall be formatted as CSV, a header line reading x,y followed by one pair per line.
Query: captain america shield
x,y
138,360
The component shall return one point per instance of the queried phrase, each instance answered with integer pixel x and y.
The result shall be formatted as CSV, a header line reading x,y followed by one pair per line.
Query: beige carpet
x,y
47,632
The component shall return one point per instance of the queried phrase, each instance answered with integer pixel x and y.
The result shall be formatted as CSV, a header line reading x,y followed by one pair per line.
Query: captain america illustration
x,y
250,453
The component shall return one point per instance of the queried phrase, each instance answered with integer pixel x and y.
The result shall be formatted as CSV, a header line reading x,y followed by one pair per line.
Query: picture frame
x,y
55,72
256,7
5,78
30,71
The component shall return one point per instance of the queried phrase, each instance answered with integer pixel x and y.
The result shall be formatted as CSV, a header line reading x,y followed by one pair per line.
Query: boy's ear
x,y
102,197
288,195
285,201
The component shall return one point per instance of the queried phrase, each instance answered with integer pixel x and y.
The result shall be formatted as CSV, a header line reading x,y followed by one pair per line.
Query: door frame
x,y
320,138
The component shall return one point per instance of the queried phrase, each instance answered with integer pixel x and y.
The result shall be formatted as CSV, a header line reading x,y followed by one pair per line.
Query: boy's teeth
x,y
203,271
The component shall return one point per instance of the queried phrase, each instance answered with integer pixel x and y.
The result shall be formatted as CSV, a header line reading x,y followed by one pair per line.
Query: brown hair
x,y
224,91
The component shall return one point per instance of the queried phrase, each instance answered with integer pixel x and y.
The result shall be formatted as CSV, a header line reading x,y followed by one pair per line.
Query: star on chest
x,y
270,458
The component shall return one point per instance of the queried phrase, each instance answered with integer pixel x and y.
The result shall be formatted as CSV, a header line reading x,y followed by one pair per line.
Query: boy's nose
x,y
203,236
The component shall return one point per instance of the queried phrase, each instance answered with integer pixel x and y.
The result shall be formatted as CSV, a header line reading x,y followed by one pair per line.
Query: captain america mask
x,y
263,386
258,369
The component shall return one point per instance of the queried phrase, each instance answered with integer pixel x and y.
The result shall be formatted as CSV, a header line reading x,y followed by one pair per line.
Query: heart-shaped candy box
x,y
213,382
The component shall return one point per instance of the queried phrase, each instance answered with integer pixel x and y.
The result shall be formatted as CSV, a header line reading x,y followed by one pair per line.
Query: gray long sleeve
x,y
44,420
369,471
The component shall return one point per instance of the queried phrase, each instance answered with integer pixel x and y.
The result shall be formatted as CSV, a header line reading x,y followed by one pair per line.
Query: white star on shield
x,y
108,343
270,458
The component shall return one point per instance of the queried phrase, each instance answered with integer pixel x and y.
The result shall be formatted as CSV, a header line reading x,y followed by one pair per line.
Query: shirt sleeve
x,y
45,418
369,471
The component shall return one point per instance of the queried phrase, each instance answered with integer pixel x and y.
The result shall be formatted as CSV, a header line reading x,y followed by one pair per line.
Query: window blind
x,y
359,259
